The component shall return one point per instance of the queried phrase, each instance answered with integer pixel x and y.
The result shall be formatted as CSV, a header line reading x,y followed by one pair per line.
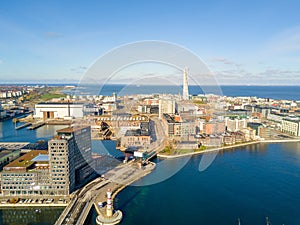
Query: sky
x,y
241,42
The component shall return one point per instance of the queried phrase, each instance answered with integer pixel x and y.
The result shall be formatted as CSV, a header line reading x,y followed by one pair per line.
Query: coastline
x,y
227,147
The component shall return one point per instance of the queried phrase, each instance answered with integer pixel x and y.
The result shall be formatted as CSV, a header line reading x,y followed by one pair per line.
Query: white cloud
x,y
1,62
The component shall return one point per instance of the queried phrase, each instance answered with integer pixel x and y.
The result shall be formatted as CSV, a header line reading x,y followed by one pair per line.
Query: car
x,y
3,201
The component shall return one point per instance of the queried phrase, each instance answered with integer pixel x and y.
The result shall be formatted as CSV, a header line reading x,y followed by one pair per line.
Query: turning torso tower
x,y
185,94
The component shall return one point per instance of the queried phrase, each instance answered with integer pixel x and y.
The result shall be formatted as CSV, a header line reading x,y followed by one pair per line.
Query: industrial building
x,y
56,110
137,138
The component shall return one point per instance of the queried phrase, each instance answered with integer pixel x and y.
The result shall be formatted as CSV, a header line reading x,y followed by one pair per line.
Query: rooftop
x,y
41,158
293,119
26,160
59,103
169,118
136,132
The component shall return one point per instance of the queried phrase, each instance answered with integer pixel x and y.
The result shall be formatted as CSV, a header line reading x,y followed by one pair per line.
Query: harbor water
x,y
250,183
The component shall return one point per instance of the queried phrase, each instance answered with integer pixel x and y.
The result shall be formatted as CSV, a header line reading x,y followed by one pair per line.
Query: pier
x,y
23,125
115,180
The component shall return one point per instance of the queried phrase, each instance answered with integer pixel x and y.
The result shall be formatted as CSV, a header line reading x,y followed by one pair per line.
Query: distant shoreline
x,y
227,147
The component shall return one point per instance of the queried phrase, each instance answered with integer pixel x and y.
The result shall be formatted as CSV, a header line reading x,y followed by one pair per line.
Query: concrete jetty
x,y
23,125
115,179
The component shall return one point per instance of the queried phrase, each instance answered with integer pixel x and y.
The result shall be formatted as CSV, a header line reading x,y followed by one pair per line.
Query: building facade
x,y
291,125
59,171
55,110
236,124
166,106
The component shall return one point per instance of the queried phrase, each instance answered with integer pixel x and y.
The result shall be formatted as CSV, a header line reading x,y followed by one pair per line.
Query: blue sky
x,y
243,42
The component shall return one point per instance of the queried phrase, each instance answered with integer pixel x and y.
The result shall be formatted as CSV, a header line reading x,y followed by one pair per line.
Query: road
x,y
159,137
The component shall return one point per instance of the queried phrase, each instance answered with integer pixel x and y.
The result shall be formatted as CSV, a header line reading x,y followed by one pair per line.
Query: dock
x,y
23,125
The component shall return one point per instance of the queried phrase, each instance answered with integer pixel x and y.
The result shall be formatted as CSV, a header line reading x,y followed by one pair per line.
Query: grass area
x,y
202,148
170,151
167,150
48,96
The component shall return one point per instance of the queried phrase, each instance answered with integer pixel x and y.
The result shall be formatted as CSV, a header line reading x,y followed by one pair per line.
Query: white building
x,y
235,124
3,94
54,110
291,125
112,98
167,106
276,117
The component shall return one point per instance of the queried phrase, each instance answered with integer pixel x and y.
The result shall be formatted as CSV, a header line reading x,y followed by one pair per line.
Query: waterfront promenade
x,y
161,155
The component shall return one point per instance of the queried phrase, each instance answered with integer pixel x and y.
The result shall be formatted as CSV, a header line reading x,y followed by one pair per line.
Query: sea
x,y
273,92
249,183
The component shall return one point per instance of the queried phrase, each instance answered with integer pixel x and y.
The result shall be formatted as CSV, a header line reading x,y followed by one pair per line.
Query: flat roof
x,y
26,160
41,158
292,119
59,103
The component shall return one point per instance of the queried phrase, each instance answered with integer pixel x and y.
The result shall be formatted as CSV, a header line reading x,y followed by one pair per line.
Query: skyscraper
x,y
70,158
185,94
